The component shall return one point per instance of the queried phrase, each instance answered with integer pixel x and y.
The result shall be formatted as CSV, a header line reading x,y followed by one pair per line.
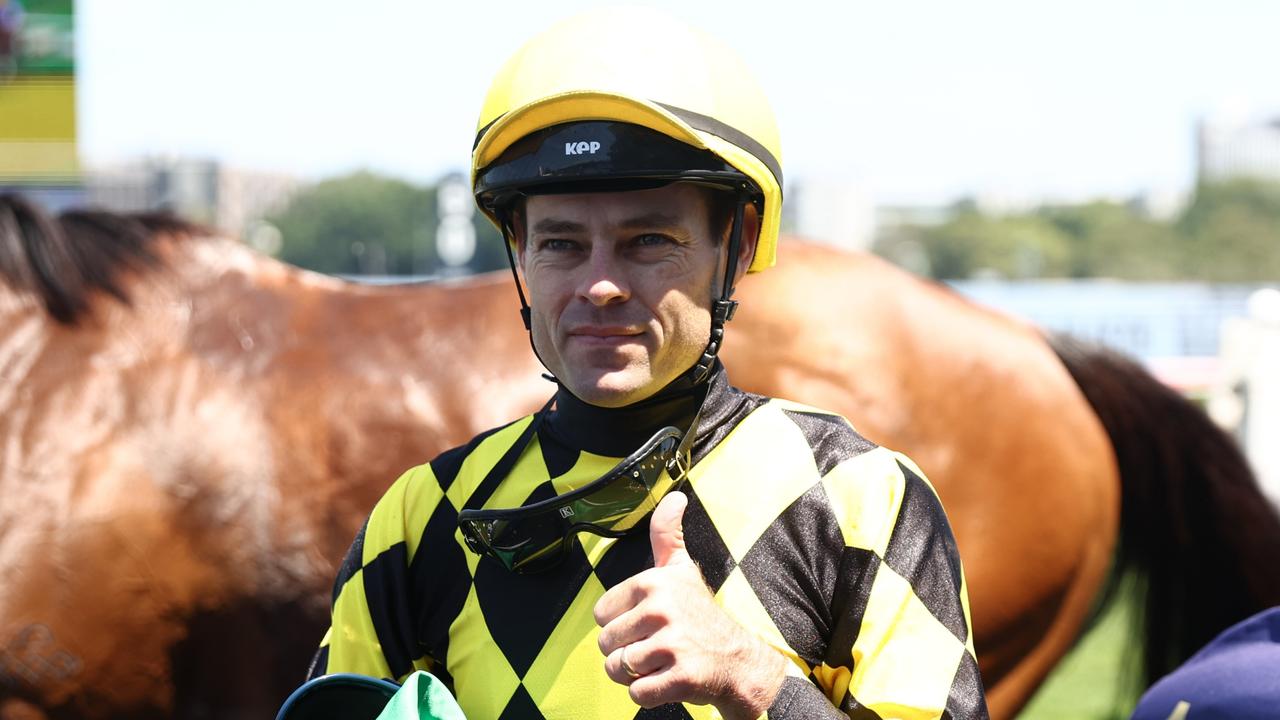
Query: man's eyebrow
x,y
656,219
553,226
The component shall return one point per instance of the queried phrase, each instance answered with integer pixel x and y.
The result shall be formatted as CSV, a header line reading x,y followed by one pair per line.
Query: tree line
x,y
369,224
1227,232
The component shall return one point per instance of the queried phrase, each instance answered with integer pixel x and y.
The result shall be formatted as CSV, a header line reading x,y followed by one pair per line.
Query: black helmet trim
x,y
697,121
481,132
602,155
708,124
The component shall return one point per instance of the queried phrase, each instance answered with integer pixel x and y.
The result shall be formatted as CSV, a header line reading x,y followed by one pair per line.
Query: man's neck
x,y
616,432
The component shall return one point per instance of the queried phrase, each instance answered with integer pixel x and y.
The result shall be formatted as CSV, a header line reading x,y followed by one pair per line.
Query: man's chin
x,y
613,388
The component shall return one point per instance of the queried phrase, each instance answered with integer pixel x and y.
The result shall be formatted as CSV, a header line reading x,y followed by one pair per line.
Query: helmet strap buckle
x,y
722,311
723,308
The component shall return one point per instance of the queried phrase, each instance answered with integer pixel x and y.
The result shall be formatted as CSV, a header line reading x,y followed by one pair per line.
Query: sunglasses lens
x,y
628,494
535,541
529,544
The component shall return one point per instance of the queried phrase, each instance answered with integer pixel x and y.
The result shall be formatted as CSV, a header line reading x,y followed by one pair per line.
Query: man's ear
x,y
750,238
518,235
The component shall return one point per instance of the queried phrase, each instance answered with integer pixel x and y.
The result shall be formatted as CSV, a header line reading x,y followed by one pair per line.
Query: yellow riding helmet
x,y
556,104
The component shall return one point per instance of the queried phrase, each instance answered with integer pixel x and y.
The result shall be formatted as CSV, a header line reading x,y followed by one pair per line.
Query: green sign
x,y
37,92
38,36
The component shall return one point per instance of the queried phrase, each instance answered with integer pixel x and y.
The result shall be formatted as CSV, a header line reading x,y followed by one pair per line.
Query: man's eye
x,y
557,244
652,239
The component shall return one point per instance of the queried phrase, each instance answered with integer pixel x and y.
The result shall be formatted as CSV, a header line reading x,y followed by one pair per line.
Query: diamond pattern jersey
x,y
833,550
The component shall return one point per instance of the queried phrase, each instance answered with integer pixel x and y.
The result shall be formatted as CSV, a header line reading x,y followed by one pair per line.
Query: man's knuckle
x,y
603,611
666,656
649,695
645,583
656,619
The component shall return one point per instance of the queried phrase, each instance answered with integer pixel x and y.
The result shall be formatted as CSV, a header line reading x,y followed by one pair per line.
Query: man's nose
x,y
604,279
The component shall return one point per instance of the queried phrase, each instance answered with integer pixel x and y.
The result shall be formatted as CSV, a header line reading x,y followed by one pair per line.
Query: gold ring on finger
x,y
626,666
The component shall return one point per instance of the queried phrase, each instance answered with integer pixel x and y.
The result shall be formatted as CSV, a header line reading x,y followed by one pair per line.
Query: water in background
x,y
1147,320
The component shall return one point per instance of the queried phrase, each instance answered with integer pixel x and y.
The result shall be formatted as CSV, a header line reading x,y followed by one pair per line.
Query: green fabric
x,y
422,697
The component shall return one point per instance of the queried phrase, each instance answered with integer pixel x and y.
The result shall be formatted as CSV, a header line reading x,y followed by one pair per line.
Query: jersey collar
x,y
616,432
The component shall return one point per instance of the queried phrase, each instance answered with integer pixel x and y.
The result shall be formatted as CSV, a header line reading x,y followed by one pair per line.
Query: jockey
x,y
653,537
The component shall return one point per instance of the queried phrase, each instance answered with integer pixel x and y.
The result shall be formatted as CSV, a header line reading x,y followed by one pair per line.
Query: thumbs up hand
x,y
666,531
664,636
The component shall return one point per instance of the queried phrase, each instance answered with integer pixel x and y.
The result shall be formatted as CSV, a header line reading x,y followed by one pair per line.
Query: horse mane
x,y
66,260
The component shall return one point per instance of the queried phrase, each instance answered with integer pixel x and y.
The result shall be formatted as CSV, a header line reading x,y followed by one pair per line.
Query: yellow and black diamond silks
x,y
833,550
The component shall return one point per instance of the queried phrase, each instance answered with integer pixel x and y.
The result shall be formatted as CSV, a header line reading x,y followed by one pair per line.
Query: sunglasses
x,y
534,538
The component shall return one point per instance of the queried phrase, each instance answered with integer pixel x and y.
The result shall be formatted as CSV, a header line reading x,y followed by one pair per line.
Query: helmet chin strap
x,y
526,315
723,307
508,239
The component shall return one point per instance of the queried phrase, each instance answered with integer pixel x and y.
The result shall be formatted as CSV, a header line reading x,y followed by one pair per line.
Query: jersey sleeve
x,y
901,645
373,631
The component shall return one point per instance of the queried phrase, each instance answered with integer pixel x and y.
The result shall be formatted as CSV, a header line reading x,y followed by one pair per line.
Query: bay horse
x,y
191,433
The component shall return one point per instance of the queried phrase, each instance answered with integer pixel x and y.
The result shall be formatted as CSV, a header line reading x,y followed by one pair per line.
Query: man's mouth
x,y
605,335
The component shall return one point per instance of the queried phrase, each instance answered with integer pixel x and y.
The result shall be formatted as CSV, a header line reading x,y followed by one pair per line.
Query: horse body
x,y
179,476
133,496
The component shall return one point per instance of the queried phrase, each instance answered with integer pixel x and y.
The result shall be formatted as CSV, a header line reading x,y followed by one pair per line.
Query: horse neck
x,y
360,383
458,346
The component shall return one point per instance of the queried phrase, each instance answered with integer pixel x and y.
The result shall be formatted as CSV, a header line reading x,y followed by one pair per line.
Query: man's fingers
x,y
660,686
666,531
617,600
643,658
614,669
627,628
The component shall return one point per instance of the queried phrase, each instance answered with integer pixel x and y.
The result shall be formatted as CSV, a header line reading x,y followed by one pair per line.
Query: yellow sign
x,y
37,92
38,129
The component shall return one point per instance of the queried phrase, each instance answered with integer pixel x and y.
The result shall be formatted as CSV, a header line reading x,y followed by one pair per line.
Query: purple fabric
x,y
11,16
1235,676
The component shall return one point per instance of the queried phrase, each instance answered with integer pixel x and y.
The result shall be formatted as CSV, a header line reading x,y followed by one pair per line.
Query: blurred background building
x,y
836,211
1245,395
1231,146
205,191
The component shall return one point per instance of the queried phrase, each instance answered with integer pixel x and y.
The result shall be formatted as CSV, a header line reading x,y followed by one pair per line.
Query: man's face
x,y
620,287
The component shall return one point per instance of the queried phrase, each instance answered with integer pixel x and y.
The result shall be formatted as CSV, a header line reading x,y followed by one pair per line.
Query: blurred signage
x,y
455,235
37,92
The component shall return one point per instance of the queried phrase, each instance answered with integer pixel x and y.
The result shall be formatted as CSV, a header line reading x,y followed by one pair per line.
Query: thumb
x,y
666,531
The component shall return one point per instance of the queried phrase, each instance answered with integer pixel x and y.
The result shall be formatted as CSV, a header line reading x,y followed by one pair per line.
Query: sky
x,y
916,102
